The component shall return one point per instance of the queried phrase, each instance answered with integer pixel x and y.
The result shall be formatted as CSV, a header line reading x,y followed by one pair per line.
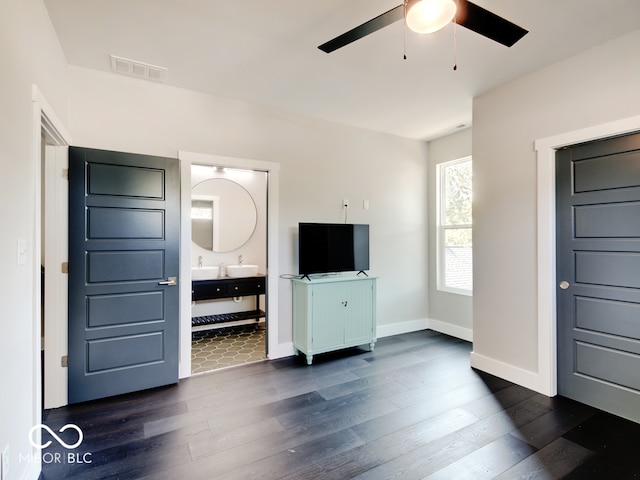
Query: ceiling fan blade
x,y
488,24
381,21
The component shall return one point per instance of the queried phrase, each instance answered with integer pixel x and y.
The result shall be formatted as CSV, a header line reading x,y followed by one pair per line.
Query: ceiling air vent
x,y
134,68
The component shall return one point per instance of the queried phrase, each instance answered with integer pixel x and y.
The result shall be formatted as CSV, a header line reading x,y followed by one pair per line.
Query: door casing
x,y
45,121
275,348
545,379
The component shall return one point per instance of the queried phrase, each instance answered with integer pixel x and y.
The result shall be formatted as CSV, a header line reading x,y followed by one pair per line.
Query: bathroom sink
x,y
239,271
204,273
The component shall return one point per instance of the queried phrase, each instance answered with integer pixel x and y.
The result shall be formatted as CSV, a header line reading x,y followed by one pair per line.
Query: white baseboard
x,y
281,350
401,327
425,324
519,376
451,330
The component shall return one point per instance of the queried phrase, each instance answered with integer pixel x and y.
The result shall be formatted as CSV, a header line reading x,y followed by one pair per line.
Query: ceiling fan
x,y
428,16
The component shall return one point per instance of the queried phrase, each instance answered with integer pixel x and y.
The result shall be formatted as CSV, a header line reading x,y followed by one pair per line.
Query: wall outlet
x,y
4,464
345,203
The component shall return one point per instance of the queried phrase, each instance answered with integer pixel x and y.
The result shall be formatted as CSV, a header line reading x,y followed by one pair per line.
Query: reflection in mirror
x,y
223,215
202,220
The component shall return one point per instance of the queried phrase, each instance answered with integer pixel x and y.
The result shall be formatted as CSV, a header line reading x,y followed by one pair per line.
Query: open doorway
x,y
267,301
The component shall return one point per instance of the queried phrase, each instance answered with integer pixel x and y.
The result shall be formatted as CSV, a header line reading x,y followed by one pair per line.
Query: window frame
x,y
441,229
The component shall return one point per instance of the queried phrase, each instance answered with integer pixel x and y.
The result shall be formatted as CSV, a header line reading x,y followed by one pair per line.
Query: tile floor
x,y
226,347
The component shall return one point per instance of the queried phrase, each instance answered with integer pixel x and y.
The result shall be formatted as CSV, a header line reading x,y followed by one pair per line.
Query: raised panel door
x,y
124,217
327,330
358,311
598,249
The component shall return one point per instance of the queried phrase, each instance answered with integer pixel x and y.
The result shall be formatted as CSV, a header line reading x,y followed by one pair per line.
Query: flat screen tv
x,y
332,248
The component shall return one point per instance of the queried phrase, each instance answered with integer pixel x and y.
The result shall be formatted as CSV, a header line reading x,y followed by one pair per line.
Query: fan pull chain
x,y
455,39
455,48
404,30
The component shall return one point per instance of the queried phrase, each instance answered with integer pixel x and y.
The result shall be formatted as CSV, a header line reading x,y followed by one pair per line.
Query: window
x,y
454,246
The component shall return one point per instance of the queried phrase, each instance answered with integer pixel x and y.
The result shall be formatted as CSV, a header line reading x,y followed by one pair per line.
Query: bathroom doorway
x,y
228,219
274,349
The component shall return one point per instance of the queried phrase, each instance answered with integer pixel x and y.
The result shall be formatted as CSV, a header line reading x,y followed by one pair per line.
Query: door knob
x,y
171,281
564,285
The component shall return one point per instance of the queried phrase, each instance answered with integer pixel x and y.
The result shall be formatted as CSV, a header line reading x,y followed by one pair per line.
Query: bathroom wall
x,y
254,251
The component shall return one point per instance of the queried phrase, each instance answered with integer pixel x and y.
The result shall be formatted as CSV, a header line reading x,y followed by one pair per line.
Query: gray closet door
x,y
598,274
124,217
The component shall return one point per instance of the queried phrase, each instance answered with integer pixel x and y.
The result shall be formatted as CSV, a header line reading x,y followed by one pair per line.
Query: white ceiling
x,y
265,52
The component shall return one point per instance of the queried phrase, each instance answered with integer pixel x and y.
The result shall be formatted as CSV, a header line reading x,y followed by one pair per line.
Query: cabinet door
x,y
358,312
327,326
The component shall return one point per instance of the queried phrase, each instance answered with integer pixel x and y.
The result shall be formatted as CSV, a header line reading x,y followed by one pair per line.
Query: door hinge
x,y
65,267
65,173
64,361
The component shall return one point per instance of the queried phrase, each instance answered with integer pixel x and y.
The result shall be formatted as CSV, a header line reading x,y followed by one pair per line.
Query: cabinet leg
x,y
309,359
371,345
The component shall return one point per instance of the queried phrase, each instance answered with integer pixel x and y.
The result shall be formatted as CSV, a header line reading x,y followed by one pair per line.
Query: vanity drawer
x,y
228,287
246,286
202,290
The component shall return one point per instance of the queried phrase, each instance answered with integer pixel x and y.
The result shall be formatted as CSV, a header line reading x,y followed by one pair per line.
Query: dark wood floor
x,y
412,409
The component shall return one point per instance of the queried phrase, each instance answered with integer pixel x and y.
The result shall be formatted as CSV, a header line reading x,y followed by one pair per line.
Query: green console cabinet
x,y
330,313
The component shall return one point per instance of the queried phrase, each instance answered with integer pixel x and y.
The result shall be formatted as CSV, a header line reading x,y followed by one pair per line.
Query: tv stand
x,y
332,313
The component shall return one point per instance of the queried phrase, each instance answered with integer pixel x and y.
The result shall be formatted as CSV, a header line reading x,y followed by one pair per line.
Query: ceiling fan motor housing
x,y
429,16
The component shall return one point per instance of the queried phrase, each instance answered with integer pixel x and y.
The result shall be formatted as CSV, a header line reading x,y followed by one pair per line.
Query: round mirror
x,y
223,215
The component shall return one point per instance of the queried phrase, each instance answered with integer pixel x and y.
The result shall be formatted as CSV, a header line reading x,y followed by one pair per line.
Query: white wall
x,y
595,87
29,54
320,164
449,313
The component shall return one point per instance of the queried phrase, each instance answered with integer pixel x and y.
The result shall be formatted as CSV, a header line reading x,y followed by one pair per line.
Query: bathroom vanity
x,y
331,313
227,288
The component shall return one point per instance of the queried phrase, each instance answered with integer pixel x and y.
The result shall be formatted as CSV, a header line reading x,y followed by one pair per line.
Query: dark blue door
x,y
598,296
124,217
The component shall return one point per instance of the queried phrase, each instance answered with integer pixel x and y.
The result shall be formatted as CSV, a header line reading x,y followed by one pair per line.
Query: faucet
x,y
240,260
200,262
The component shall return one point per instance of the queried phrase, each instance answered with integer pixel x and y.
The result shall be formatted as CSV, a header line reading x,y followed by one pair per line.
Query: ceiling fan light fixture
x,y
428,16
